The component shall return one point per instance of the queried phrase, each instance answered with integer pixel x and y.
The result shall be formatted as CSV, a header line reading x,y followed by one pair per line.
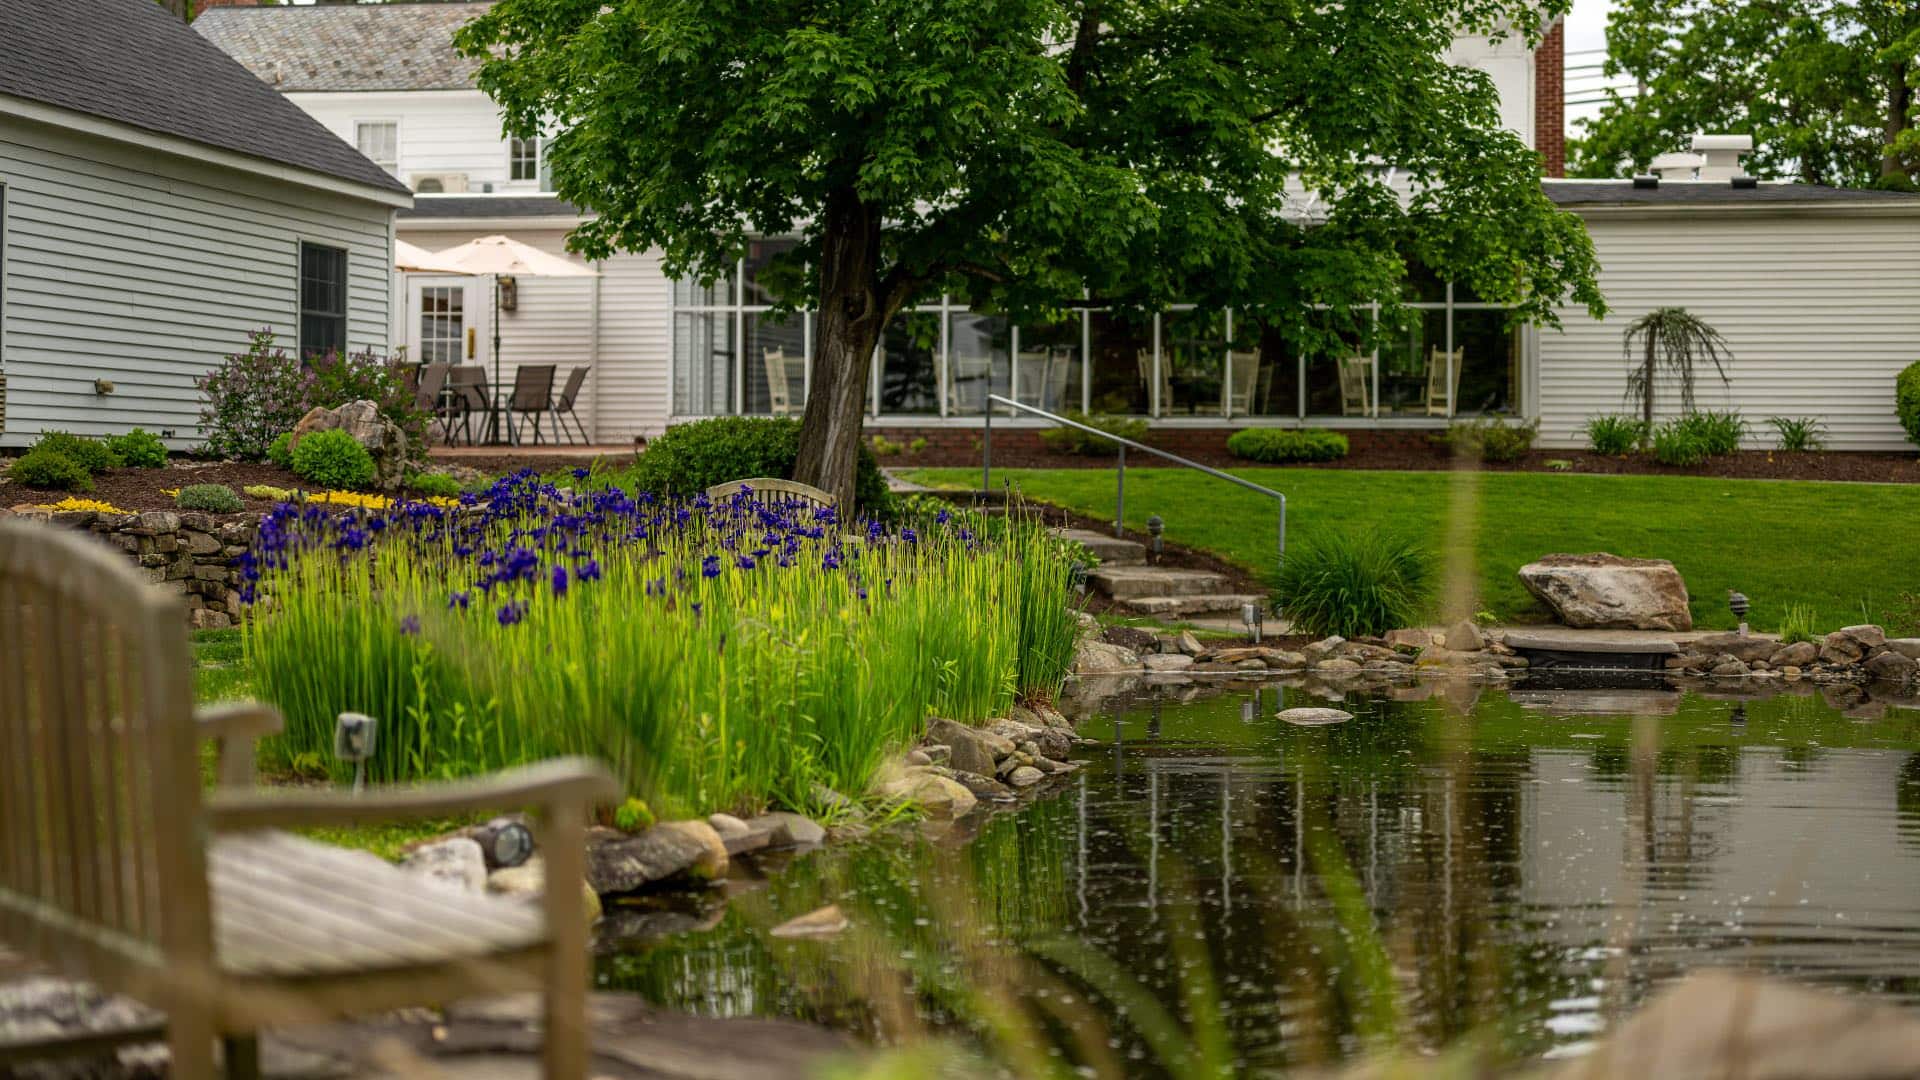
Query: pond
x,y
1216,889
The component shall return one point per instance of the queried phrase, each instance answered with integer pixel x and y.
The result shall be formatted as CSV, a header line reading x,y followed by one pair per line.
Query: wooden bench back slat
x,y
772,489
99,776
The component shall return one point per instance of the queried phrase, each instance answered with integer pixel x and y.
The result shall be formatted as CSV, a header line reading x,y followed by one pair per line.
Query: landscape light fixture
x,y
1737,603
1253,618
1155,527
504,842
353,740
1077,577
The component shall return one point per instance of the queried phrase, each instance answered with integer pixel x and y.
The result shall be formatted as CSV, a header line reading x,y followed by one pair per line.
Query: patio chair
x,y
1040,378
1356,385
116,867
1144,358
532,396
779,390
1241,382
1438,396
969,385
563,405
465,396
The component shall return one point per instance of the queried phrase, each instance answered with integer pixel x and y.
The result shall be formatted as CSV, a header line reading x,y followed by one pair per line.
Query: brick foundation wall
x,y
192,555
1550,100
960,446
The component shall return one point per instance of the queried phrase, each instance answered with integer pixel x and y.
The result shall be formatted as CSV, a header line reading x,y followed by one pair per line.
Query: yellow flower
x,y
171,493
72,503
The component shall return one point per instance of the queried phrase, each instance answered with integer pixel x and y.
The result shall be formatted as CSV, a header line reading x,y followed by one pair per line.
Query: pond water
x,y
1218,888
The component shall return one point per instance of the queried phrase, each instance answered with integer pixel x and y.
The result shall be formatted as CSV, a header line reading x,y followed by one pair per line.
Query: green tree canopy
x,y
1032,155
1823,86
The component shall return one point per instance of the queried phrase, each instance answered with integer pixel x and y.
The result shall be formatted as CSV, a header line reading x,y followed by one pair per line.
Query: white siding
x,y
1509,63
147,269
1821,311
628,392
441,131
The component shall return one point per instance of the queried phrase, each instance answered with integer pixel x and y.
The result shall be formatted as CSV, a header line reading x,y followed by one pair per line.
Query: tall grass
x,y
1354,584
718,656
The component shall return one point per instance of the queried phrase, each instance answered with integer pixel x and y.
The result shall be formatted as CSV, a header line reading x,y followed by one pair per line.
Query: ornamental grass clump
x,y
718,656
1354,584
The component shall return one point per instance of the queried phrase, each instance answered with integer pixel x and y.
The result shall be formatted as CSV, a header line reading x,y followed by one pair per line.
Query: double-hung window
x,y
379,141
523,159
323,299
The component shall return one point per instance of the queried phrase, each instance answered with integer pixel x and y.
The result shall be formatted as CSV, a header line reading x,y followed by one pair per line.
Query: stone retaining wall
x,y
191,554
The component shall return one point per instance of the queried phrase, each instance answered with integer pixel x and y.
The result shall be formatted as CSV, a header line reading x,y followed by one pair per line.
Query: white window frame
x,y
393,167
514,160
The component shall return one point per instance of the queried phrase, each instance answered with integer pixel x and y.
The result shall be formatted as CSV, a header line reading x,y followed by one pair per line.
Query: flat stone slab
x,y
1111,550
1313,717
1567,639
1177,606
1127,582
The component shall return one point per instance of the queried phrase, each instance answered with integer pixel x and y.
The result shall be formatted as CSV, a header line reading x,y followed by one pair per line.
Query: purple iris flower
x,y
559,581
710,566
410,625
512,613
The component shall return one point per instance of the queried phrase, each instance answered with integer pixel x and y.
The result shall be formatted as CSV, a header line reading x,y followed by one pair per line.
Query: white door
x,y
446,325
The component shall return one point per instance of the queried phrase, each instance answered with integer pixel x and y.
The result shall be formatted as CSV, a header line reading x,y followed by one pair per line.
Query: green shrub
x,y
333,459
1718,432
92,455
1354,584
1677,443
1274,445
1615,436
433,485
689,458
269,493
1906,400
212,498
1491,438
50,469
280,451
338,378
140,449
1796,623
1066,440
1799,433
251,397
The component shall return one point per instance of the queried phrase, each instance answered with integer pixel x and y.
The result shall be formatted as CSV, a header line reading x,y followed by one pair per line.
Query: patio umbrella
x,y
504,256
418,260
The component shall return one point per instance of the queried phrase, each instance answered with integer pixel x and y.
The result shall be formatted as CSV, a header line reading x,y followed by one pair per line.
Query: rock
x,y
1102,658
1088,624
1172,662
1188,644
1322,649
833,800
1866,636
1744,647
938,796
1908,647
1602,591
918,757
1890,666
1131,638
790,830
938,753
1790,671
1463,636
1360,652
968,751
1025,717
671,849
1282,660
1336,664
1798,654
983,787
528,882
361,419
820,922
1053,717
1435,656
1726,665
1025,776
727,825
1313,717
457,864
1409,639
1841,648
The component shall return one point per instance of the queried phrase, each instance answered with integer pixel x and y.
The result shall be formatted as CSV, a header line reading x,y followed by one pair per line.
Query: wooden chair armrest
x,y
234,726
577,782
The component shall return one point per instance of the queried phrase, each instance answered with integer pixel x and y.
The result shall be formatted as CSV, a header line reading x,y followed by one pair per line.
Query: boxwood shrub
x,y
1276,445
1906,400
92,455
333,459
139,449
692,457
50,469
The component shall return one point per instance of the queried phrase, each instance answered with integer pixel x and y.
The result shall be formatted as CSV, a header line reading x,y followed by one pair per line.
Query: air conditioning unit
x,y
449,183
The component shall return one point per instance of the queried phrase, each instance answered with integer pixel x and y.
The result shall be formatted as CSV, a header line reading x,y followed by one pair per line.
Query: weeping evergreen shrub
x,y
1354,584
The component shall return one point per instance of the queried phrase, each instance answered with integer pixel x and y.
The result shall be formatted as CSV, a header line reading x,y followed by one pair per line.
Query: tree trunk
x,y
1899,101
851,316
1646,400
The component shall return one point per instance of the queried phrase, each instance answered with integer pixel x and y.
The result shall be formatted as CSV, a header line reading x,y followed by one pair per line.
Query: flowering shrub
x,y
252,398
366,376
717,656
333,458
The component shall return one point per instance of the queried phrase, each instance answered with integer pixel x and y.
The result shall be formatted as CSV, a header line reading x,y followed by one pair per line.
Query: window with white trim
x,y
523,159
323,299
379,141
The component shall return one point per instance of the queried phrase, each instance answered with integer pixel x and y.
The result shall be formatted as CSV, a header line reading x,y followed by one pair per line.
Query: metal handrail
x,y
1120,496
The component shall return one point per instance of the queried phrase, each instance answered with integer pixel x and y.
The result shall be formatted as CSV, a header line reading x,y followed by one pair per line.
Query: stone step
x,y
1129,582
1110,550
1176,607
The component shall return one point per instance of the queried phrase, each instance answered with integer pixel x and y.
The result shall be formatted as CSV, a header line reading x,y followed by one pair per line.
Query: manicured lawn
x,y
1850,550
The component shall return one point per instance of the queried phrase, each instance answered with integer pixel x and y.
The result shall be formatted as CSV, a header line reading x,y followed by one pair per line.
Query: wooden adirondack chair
x,y
772,489
116,868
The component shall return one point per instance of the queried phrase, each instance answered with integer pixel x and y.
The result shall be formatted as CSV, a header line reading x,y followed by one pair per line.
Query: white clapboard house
x,y
1816,289
157,204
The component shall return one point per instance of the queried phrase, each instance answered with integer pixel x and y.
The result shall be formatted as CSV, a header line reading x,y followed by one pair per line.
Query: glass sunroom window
x,y
1120,355
979,360
1047,370
1193,363
910,351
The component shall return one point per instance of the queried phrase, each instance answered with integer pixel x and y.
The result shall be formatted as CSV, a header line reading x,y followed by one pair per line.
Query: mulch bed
x,y
145,489
1899,468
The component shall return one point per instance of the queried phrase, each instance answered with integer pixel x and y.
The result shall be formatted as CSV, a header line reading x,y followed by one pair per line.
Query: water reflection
x,y
1218,887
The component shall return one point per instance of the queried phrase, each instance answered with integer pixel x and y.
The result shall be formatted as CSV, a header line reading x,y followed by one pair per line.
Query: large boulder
x,y
361,419
970,749
936,795
457,865
688,850
1104,658
1747,648
1608,592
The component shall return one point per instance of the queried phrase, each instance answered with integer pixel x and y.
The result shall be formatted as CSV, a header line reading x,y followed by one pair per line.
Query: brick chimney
x,y
1550,99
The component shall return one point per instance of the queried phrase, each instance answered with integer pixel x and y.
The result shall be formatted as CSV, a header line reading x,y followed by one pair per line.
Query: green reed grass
x,y
721,693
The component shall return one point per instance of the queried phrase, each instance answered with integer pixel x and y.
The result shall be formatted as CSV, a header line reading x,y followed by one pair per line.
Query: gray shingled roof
x,y
465,207
347,46
1709,193
131,62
